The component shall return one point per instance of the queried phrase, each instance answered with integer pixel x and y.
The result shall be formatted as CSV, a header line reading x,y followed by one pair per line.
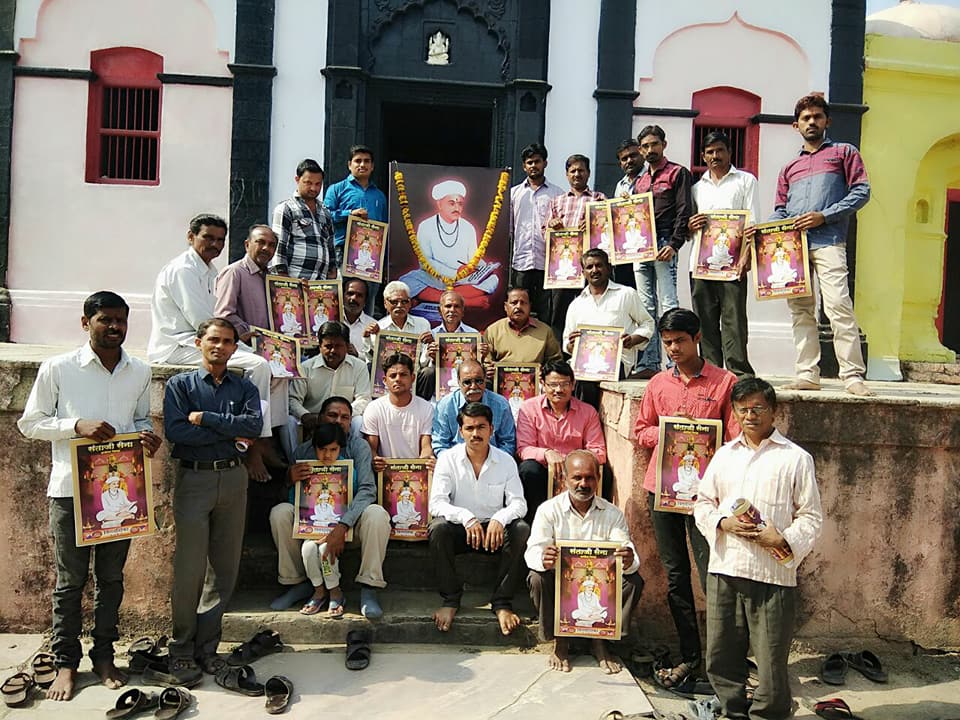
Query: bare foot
x,y
444,618
560,658
255,467
62,688
509,620
860,388
109,674
802,385
610,664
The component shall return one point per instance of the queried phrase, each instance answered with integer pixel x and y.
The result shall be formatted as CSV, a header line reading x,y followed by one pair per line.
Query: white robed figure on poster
x,y
635,240
365,259
720,256
407,515
277,367
589,610
117,507
781,272
688,476
290,325
323,511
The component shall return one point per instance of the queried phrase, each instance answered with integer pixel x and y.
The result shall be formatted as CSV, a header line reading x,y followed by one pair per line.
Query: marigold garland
x,y
485,239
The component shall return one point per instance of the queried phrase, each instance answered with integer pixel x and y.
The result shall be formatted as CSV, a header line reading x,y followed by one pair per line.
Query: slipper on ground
x,y
834,709
133,702
867,664
358,650
278,690
834,670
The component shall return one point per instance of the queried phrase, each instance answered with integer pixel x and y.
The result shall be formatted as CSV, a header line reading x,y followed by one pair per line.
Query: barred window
x,y
728,110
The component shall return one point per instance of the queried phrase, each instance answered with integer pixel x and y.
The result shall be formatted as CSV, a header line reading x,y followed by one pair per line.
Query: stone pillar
x,y
8,59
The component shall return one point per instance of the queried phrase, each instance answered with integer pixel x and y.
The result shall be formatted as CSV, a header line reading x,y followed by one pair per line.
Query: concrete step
x,y
407,619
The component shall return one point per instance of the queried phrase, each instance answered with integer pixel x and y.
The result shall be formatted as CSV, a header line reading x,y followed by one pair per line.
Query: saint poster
x,y
323,299
364,248
599,227
452,350
717,248
557,481
596,353
780,261
516,382
390,342
634,229
589,581
281,352
288,308
322,499
449,228
112,490
563,250
403,489
685,448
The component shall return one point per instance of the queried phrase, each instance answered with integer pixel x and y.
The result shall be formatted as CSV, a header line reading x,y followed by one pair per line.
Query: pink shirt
x,y
242,295
539,430
705,397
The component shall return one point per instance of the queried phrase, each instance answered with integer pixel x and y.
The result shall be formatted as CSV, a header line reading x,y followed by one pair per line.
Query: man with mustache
x,y
304,228
578,514
355,293
473,390
239,288
451,321
396,298
519,338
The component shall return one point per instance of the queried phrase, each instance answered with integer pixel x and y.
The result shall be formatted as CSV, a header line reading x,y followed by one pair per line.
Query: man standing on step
x,y
94,392
304,229
476,501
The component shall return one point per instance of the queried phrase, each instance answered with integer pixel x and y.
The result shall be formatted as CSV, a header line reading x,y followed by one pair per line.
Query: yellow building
x,y
911,146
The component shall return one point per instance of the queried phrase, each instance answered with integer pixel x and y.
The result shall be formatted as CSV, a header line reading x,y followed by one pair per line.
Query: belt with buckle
x,y
210,464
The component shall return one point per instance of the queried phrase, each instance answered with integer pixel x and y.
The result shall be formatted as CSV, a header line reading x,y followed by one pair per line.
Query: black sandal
x,y
240,679
133,702
278,690
263,643
358,650
173,701
16,689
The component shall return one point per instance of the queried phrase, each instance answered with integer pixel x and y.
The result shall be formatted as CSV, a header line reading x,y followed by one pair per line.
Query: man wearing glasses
x,y
396,299
446,429
551,425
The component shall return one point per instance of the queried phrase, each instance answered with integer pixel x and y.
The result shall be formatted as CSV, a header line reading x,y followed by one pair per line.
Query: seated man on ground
x,y
578,514
446,431
477,504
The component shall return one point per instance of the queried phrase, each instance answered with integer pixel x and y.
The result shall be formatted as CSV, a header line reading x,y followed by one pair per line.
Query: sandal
x,y
263,643
314,605
867,664
678,679
173,701
240,679
358,650
44,667
133,702
834,709
336,609
16,689
279,690
834,670
148,644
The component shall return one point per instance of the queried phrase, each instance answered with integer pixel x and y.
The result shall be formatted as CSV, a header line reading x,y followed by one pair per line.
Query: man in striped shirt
x,y
304,228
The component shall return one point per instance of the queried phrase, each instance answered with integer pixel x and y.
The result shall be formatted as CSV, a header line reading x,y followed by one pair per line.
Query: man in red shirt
x,y
695,389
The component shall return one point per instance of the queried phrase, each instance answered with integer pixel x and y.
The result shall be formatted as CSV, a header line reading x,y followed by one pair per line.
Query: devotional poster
x,y
365,245
717,248
403,489
599,227
322,498
634,229
449,226
596,353
112,490
387,343
685,448
281,352
324,300
452,350
589,586
563,250
288,308
781,266
516,382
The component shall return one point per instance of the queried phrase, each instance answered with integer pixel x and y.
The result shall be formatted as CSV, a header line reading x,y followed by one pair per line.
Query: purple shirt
x,y
242,295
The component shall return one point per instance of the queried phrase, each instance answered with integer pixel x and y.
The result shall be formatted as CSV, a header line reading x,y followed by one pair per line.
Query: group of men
x,y
490,469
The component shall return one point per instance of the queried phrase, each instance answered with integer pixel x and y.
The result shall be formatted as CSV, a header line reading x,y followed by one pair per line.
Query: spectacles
x,y
759,410
397,301
469,382
559,385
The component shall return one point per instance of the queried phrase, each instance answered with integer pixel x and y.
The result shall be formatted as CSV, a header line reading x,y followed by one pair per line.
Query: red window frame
x,y
124,117
728,109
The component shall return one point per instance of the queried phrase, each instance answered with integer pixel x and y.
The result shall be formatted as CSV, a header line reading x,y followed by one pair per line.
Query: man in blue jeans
x,y
670,184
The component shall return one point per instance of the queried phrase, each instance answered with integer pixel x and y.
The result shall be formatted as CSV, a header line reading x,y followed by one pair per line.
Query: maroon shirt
x,y
672,202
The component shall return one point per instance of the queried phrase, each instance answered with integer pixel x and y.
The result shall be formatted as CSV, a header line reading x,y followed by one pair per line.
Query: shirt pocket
x,y
493,495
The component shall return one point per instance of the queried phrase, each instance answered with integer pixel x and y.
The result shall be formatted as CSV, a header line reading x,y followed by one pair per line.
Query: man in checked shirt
x,y
304,229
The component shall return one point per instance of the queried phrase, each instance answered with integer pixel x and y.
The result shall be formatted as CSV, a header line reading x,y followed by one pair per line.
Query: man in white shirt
x,y
354,301
751,596
183,297
722,304
94,392
578,514
476,501
396,299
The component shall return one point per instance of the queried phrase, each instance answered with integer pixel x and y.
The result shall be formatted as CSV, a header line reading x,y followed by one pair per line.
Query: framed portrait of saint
x,y
288,308
589,582
685,449
599,227
112,490
516,382
324,300
596,353
403,489
634,229
563,250
322,498
452,350
364,248
718,247
781,261
281,352
390,342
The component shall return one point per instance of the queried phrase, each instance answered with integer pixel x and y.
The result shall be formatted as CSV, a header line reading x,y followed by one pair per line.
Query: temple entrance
x,y
436,135
949,315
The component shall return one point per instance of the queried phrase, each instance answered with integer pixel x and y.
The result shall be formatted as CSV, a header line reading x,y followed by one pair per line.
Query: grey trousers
x,y
722,308
542,586
209,508
742,614
73,565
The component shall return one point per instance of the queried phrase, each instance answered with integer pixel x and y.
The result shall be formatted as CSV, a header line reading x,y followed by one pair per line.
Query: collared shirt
x,y
350,380
625,184
571,207
364,481
556,519
305,240
230,410
670,184
778,478
76,386
182,299
705,397
529,208
458,495
831,180
356,334
414,324
539,430
534,343
399,429
241,295
349,194
618,306
446,429
737,190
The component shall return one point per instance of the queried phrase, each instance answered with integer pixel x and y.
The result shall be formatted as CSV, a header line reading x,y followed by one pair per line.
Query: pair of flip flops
x,y
834,709
168,704
278,689
16,688
358,649
833,671
260,645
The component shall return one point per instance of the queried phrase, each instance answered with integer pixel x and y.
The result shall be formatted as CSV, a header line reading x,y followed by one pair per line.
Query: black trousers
x,y
722,308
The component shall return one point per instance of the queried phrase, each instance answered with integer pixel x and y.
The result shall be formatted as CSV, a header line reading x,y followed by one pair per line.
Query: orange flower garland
x,y
487,236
